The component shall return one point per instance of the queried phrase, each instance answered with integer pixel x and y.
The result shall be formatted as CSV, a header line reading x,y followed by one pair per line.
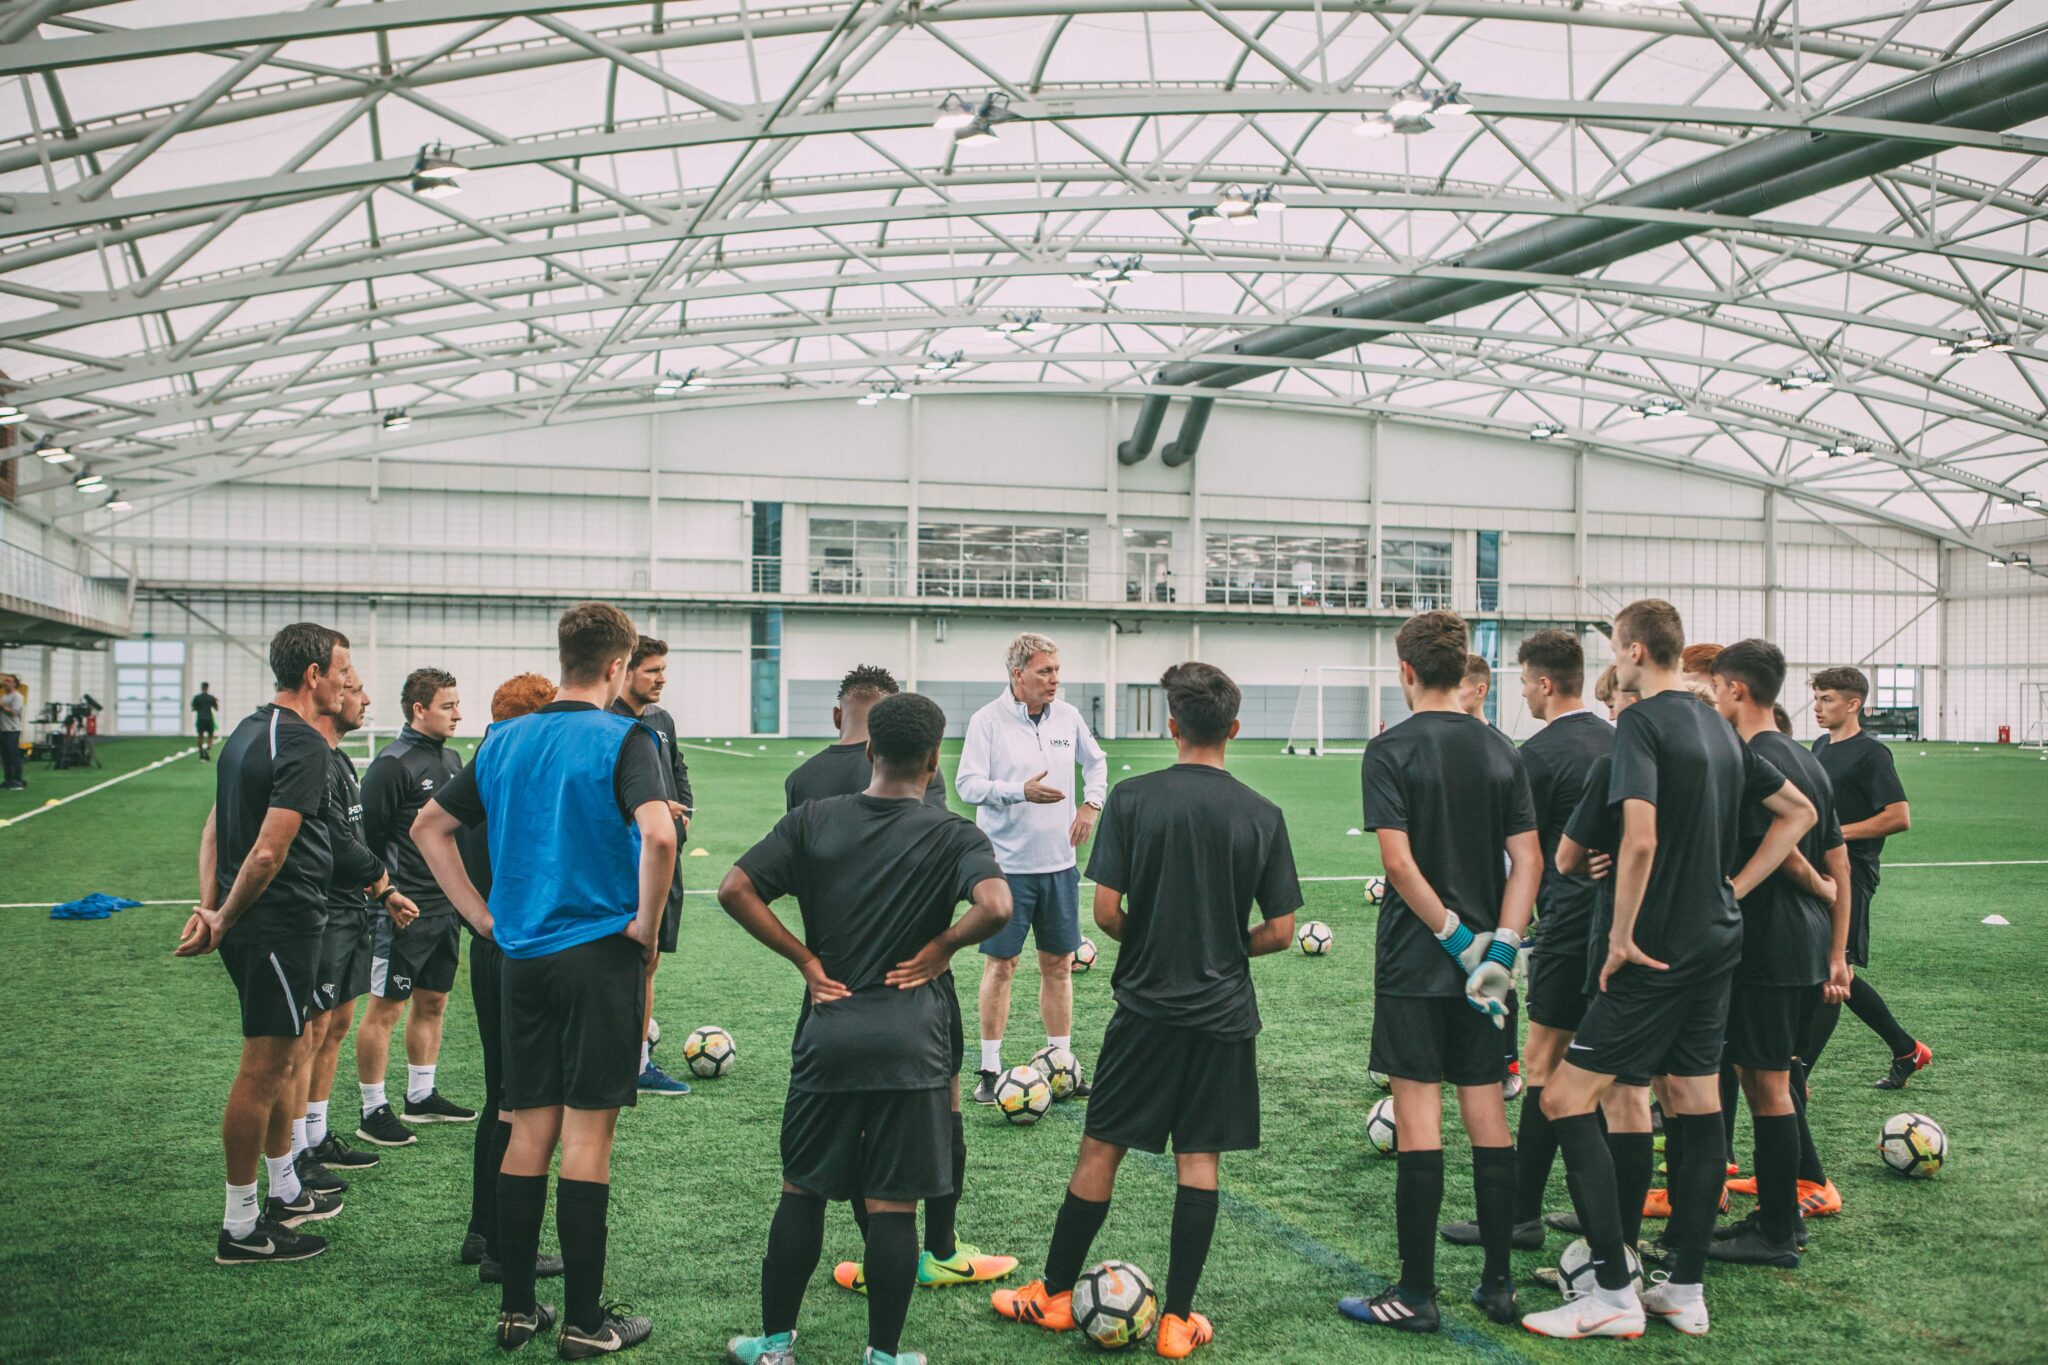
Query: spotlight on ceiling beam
x,y
10,414
51,451
1796,380
1545,431
397,419
435,173
1972,342
974,122
87,481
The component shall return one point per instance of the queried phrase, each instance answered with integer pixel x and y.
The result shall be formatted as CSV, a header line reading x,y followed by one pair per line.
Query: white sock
x,y
316,1122
373,1096
284,1177
1624,1297
991,1054
646,1054
298,1136
1674,1292
1065,1040
419,1083
240,1219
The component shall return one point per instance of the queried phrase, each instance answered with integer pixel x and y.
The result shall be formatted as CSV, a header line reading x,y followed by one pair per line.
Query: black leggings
x,y
486,974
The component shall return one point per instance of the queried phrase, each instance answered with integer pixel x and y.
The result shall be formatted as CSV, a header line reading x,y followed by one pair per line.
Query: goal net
x,y
1341,706
2034,716
365,744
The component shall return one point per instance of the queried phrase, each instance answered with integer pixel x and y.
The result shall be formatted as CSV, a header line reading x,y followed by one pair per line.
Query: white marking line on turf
x,y
102,786
707,749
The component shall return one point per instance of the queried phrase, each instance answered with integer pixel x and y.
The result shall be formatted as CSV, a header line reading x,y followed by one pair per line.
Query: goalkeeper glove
x,y
1488,984
1466,948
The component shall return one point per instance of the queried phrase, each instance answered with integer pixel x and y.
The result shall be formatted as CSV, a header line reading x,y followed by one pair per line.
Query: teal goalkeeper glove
x,y
1488,984
1466,948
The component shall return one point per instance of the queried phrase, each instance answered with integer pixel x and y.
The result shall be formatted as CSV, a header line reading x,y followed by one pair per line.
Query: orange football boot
x,y
1032,1304
1658,1204
1178,1337
1746,1185
1819,1201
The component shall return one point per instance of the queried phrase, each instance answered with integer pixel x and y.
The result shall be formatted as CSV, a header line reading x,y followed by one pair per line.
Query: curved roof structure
x,y
229,243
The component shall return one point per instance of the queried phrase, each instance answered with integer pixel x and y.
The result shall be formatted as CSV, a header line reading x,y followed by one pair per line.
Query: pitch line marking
x,y
34,811
707,749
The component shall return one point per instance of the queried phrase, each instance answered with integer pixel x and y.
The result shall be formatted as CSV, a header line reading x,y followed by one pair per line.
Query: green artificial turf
x,y
115,1058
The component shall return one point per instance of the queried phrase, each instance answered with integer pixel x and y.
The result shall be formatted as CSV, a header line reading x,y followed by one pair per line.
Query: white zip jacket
x,y
1005,750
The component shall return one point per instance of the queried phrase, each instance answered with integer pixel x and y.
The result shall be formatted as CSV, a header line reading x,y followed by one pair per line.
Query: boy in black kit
x,y
842,766
1190,849
1795,927
1446,793
1682,780
876,876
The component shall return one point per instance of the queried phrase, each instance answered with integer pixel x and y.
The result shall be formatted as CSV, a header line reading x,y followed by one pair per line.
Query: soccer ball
x,y
1913,1144
1062,1071
1380,1079
1375,890
1084,956
1023,1095
653,1030
1575,1269
1114,1305
709,1051
1379,1126
1313,938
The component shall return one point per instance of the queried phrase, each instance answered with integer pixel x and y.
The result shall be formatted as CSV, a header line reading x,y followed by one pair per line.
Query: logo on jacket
x,y
426,784
1061,743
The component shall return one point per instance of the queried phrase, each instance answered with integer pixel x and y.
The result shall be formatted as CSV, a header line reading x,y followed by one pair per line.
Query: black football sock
x,y
1869,1006
1493,1194
580,1207
522,1202
1635,1165
1073,1232
1418,1204
1697,1175
796,1239
891,1269
942,1211
1194,1227
1819,1028
1809,1155
1777,1174
1731,1093
1589,1175
1535,1153
491,1137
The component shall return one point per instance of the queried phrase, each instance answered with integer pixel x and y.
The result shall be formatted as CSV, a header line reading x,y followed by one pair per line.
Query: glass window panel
x,y
131,651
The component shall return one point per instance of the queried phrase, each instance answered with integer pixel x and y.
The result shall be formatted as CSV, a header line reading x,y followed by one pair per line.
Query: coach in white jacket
x,y
1016,771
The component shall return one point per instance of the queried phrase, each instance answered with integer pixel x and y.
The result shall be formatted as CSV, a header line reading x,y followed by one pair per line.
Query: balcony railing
x,y
42,589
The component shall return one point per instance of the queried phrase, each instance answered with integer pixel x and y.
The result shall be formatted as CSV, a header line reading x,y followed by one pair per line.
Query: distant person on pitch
x,y
1016,768
204,704
11,708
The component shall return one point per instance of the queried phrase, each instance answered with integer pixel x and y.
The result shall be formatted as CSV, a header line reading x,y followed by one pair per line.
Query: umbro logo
x,y
426,784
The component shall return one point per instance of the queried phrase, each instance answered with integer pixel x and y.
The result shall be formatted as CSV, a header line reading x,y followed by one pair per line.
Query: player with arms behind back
x,y
1179,859
1446,792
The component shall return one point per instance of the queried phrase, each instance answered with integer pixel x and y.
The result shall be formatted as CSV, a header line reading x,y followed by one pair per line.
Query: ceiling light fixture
x,y
883,392
1994,562
974,122
1011,324
2031,501
51,451
672,383
1545,431
1413,108
1841,448
1111,271
397,419
1973,341
1803,379
940,362
86,482
1657,405
117,503
435,173
10,414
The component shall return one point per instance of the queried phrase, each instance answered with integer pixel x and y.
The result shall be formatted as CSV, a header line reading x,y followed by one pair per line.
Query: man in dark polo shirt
x,y
265,859
582,851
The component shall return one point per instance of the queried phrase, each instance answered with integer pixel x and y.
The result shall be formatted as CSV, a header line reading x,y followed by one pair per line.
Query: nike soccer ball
x,y
709,1051
1375,890
1379,1126
1084,956
1313,938
1114,1305
1023,1095
1380,1079
1061,1069
1575,1271
1913,1144
653,1030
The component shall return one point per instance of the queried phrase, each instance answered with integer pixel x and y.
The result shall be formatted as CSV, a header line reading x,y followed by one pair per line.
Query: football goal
x,y
365,744
1341,706
2034,716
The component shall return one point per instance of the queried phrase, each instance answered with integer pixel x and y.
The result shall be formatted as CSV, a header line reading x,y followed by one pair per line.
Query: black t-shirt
x,y
204,704
1192,848
875,880
637,779
663,724
842,770
1677,753
1558,757
1866,780
274,760
1457,787
1595,826
355,866
1786,931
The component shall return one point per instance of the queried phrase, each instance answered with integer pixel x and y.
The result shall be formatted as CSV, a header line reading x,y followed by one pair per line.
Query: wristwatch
x,y
384,896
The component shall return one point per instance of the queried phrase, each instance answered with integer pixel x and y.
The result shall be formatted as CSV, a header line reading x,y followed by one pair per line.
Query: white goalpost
x,y
2034,716
1340,707
365,744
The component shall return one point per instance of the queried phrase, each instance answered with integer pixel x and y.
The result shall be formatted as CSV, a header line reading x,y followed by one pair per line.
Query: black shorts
x,y
276,983
344,962
671,925
1765,1024
420,957
1436,1039
1860,895
204,727
572,1026
487,990
1557,984
884,1144
1156,1082
1646,1024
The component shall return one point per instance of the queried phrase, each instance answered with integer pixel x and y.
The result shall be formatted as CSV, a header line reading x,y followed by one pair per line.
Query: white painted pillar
x,y
1771,564
653,501
1375,529
912,511
1109,680
1579,607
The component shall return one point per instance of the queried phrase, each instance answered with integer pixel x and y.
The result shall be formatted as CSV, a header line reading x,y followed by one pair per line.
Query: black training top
x,y
399,782
1866,780
1192,848
677,777
1558,757
204,704
355,866
875,880
1595,825
1677,753
1786,931
1457,787
274,760
842,770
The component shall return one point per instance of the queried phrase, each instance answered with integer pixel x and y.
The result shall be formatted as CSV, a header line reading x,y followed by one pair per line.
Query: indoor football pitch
x,y
115,1059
